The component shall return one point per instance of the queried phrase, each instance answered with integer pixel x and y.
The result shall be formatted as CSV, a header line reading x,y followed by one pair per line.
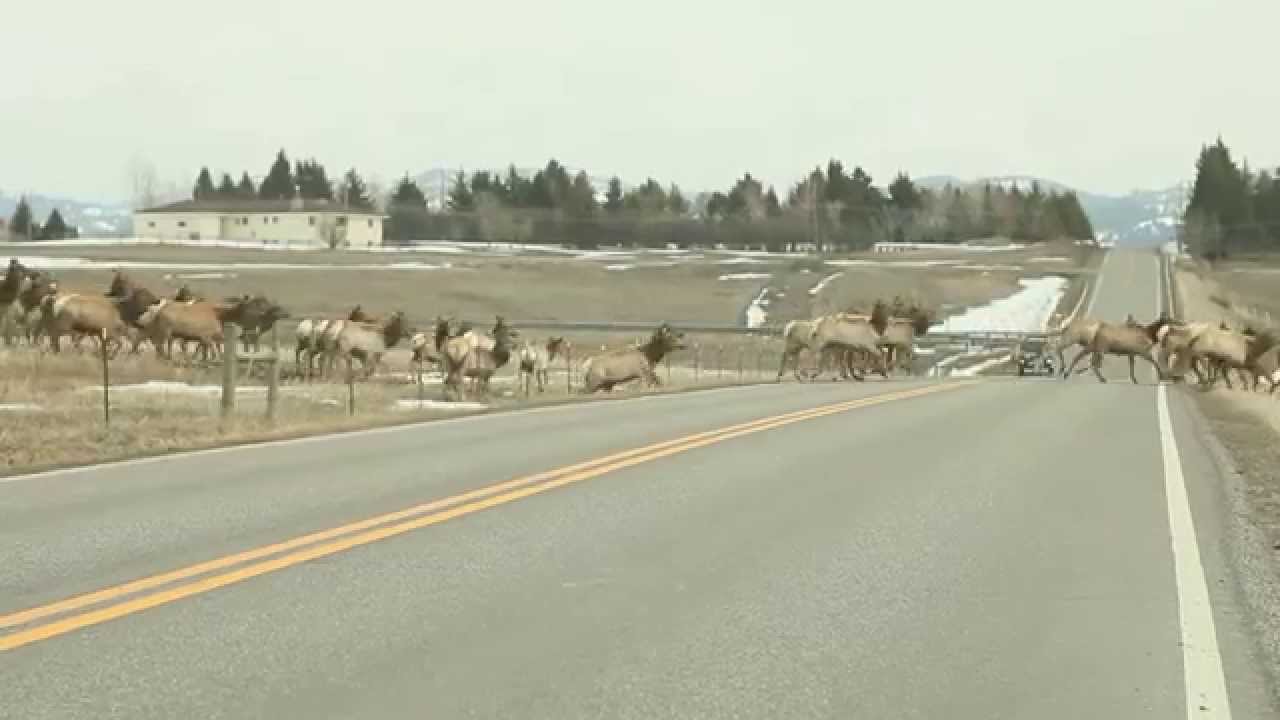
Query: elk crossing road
x,y
992,548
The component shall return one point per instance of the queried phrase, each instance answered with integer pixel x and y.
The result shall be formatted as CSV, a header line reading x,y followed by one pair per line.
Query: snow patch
x,y
408,404
823,283
746,276
756,314
618,268
1027,310
894,263
73,263
19,407
741,261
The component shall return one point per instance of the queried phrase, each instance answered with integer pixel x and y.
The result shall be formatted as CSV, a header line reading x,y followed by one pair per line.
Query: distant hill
x,y
1141,217
91,218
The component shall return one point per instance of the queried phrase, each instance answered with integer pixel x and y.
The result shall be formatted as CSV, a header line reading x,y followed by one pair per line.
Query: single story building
x,y
296,222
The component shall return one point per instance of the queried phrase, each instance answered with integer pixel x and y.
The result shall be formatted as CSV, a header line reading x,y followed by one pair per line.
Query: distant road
x,y
914,549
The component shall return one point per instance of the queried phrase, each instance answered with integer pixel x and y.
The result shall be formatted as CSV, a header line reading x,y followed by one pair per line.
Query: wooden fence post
x,y
273,377
720,362
568,370
230,359
351,388
740,351
697,363
106,384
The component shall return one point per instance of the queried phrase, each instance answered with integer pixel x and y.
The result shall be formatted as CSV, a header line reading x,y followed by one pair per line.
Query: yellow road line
x,y
350,535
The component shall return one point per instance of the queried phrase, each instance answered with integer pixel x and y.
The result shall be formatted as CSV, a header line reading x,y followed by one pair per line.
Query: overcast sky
x,y
1106,95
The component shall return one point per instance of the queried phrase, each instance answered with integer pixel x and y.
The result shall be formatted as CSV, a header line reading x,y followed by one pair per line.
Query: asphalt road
x,y
999,549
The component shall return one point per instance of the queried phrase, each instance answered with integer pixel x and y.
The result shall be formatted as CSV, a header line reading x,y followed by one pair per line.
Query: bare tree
x,y
144,182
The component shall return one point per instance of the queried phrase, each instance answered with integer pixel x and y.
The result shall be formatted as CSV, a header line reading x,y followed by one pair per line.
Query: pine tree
x,y
408,211
460,197
580,199
54,228
227,187
313,182
613,196
355,193
246,189
203,189
22,225
676,204
772,208
279,182
903,193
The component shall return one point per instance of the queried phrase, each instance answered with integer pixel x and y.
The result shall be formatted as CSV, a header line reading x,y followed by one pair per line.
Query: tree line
x,y
828,209
1232,208
22,225
306,179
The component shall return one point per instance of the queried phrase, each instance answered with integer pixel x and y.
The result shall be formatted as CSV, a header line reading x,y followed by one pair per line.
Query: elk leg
x,y
1132,373
1071,368
1095,363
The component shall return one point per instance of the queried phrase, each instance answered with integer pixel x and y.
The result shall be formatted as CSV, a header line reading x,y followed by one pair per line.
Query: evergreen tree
x,y
613,196
22,224
1075,221
460,197
227,187
959,218
482,182
279,182
903,193
355,193
408,212
648,199
676,204
313,182
54,228
246,189
772,208
580,199
203,189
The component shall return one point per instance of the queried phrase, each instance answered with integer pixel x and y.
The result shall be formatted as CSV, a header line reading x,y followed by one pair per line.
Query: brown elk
x,y
92,315
604,371
462,358
1229,350
367,342
534,362
1128,339
853,335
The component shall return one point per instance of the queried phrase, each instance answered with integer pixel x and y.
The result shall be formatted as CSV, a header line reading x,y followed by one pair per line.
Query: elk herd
x,y
1210,352
38,311
854,344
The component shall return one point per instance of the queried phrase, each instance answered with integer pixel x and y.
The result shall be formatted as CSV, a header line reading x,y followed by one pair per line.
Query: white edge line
x,y
1097,285
478,416
1206,687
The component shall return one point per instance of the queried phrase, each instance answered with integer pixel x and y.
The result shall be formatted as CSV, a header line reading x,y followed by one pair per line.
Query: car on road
x,y
1034,357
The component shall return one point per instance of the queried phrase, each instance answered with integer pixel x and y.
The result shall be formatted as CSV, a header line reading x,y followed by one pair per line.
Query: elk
x,y
851,335
463,358
534,362
93,315
1078,332
367,342
899,339
1128,339
795,337
199,322
1229,350
604,371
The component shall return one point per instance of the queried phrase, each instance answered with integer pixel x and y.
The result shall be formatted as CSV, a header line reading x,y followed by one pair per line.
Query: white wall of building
x,y
283,228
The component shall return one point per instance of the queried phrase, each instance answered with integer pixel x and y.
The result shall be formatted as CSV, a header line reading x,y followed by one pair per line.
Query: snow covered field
x,y
1027,310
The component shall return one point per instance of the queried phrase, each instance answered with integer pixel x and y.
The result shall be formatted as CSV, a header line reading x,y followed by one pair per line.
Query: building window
x,y
311,220
342,221
244,221
265,219
182,223
370,222
151,223
275,220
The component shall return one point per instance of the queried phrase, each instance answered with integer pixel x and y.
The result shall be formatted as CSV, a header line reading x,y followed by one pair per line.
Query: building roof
x,y
256,205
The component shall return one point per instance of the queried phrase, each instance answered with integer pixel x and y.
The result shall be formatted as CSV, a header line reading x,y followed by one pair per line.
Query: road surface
x,y
913,549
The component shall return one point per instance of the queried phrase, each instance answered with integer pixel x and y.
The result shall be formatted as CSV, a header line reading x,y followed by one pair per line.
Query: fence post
x,y
106,385
568,369
230,359
351,387
697,363
741,350
720,362
273,377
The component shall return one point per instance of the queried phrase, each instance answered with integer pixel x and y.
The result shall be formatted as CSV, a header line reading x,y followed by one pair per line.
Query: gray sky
x,y
1106,95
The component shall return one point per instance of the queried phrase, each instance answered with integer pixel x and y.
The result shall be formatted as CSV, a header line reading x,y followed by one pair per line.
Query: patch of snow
x,y
746,276
1050,260
962,247
741,261
19,407
410,404
894,263
756,314
1027,310
164,387
990,267
204,276
618,268
823,283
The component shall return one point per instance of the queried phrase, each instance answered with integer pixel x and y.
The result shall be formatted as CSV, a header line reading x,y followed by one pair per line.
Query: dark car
x,y
1036,358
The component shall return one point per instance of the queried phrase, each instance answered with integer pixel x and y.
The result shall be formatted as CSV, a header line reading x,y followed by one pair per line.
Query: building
x,y
296,222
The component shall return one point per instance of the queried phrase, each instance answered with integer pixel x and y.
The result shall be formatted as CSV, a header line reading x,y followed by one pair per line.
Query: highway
x,y
995,548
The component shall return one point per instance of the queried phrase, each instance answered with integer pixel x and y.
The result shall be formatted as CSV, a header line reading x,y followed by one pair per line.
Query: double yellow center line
x,y
79,611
